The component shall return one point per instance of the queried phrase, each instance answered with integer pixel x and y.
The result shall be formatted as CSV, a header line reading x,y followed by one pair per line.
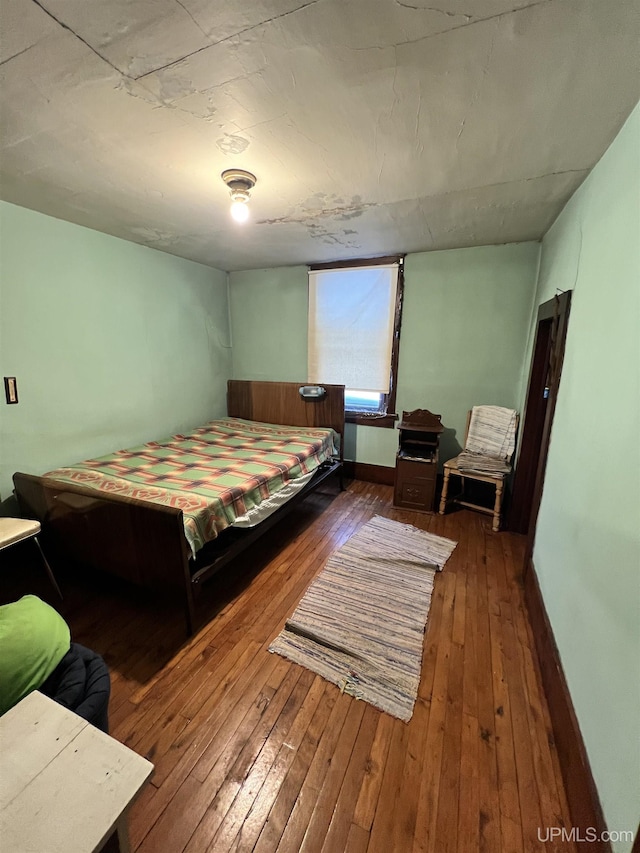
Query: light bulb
x,y
239,211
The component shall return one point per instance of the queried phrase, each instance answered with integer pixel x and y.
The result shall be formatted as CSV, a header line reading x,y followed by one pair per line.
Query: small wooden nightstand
x,y
417,460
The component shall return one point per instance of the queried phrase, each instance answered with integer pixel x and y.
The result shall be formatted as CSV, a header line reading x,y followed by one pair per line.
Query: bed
x,y
169,514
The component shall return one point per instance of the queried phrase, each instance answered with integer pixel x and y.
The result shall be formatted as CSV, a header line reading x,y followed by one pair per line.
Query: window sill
x,y
360,419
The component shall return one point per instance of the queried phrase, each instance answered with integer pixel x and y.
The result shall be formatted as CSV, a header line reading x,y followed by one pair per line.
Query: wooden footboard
x,y
141,542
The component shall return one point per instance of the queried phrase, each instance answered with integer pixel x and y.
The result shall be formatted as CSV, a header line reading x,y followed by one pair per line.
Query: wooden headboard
x,y
281,403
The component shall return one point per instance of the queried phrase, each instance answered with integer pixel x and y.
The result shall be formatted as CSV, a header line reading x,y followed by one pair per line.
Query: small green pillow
x,y
33,640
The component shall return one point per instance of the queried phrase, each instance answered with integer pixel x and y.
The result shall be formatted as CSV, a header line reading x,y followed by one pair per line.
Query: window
x,y
363,401
354,331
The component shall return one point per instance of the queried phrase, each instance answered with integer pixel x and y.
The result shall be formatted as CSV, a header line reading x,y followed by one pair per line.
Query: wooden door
x,y
544,380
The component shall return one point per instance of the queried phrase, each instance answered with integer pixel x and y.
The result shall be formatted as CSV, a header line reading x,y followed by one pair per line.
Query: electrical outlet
x,y
11,389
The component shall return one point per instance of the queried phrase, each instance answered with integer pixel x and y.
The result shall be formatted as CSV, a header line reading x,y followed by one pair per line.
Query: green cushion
x,y
33,640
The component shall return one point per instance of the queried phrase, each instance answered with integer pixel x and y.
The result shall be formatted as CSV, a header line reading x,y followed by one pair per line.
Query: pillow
x,y
33,640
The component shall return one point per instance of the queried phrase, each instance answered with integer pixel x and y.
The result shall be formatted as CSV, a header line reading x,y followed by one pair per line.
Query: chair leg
x,y
445,489
497,507
47,567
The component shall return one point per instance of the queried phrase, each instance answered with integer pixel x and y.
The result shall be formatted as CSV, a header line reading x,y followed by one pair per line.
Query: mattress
x,y
263,510
215,474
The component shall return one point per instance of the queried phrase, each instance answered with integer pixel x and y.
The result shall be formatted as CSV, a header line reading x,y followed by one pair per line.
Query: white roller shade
x,y
351,320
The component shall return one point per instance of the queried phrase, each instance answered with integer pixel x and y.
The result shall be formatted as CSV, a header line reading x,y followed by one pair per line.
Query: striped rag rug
x,y
361,622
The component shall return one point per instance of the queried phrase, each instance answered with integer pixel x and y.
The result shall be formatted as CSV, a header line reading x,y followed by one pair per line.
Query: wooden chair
x,y
14,530
504,438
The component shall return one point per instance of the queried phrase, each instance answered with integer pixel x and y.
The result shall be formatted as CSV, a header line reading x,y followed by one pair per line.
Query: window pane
x,y
351,324
362,401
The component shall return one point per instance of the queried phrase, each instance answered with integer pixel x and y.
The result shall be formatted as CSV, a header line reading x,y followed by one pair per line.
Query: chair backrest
x,y
491,431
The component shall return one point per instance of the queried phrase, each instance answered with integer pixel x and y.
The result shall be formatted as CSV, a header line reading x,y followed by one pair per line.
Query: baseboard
x,y
582,795
370,473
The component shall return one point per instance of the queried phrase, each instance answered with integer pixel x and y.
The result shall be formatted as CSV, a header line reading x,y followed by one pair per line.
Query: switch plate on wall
x,y
11,389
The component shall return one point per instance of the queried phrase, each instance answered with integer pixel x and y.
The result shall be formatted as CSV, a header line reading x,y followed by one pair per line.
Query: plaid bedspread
x,y
213,474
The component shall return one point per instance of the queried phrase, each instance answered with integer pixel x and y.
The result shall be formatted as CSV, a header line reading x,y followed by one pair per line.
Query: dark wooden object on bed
x,y
144,542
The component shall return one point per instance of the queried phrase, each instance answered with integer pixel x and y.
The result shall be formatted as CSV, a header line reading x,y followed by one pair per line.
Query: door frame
x,y
544,376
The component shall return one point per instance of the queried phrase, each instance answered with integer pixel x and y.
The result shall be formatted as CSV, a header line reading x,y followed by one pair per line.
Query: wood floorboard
x,y
357,840
427,814
339,827
469,802
490,715
255,753
218,828
271,811
365,808
267,780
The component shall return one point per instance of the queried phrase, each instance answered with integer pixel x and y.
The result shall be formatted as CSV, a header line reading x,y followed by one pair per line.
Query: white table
x,y
65,786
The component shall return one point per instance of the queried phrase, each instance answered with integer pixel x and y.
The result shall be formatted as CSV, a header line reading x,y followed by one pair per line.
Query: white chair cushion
x,y
14,530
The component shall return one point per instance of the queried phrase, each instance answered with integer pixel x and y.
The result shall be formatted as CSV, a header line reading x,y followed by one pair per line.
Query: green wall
x,y
464,331
269,324
112,343
587,547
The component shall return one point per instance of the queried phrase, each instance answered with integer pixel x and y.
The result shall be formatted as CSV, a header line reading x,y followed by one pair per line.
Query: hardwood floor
x,y
255,753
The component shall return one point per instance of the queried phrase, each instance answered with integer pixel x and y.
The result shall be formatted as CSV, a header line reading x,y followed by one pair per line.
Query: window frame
x,y
375,419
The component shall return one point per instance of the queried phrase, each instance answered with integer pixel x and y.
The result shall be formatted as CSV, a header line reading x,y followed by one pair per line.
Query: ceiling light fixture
x,y
240,184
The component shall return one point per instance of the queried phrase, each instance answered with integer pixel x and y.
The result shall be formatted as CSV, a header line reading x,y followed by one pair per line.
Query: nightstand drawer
x,y
409,468
415,494
415,485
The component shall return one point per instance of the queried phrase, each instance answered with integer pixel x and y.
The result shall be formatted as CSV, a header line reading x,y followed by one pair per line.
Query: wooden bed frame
x,y
144,542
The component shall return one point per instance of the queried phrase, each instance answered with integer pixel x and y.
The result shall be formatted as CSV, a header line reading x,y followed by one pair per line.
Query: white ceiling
x,y
373,126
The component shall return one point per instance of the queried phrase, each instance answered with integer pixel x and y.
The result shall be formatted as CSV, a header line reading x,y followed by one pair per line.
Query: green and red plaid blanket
x,y
213,474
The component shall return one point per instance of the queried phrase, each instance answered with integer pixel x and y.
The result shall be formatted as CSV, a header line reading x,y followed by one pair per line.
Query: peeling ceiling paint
x,y
373,126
